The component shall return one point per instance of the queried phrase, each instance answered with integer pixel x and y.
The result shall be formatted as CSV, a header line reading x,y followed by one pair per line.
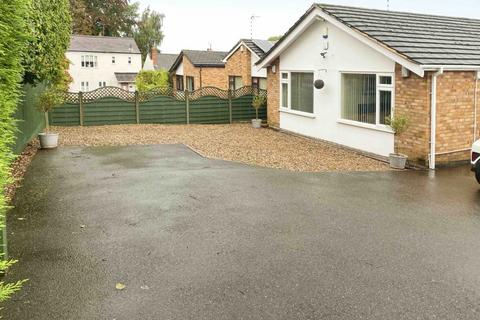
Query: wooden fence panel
x,y
164,110
209,110
67,114
109,110
242,110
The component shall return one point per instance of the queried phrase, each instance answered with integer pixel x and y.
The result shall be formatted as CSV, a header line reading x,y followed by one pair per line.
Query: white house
x,y
98,61
371,65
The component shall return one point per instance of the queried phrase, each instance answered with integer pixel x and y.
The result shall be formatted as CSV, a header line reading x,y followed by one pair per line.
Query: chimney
x,y
154,56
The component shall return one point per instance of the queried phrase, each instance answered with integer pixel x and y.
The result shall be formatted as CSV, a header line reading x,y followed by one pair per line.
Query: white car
x,y
476,159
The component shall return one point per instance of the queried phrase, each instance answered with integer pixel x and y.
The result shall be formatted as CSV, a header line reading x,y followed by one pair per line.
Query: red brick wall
x,y
240,64
273,95
203,77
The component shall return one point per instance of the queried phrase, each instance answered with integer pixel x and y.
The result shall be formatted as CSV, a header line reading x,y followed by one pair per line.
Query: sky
x,y
198,25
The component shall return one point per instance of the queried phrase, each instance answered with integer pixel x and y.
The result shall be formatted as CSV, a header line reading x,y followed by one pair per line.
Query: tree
x,y
50,30
148,33
13,42
148,80
104,17
274,38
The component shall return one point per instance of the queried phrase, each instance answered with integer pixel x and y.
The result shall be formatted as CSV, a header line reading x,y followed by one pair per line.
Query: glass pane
x,y
238,82
302,91
385,106
359,97
385,80
263,83
285,95
284,75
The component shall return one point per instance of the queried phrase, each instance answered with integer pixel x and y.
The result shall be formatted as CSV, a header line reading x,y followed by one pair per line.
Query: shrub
x,y
50,98
399,125
258,102
13,42
148,80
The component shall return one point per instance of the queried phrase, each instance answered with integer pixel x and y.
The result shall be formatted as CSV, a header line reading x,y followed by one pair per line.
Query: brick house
x,y
195,69
159,61
240,64
375,64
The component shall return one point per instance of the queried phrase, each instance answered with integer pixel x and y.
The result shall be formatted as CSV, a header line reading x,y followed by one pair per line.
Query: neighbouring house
x,y
194,69
240,63
374,64
159,61
99,61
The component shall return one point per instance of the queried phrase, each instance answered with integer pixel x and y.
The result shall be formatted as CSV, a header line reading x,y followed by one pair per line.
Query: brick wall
x,y
273,95
455,115
412,99
203,76
239,64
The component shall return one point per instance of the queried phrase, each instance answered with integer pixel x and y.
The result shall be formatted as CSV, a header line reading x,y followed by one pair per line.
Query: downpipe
x,y
433,120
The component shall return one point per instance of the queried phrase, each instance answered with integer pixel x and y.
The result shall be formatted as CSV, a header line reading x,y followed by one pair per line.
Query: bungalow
x,y
240,63
159,61
195,69
370,64
99,61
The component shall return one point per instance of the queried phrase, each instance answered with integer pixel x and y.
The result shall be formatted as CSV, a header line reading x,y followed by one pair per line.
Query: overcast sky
x,y
197,24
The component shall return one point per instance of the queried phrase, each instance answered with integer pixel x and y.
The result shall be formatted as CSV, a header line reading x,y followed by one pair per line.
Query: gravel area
x,y
236,142
19,167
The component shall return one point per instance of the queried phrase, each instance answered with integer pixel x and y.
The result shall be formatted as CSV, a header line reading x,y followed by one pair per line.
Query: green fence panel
x,y
209,109
30,121
67,114
164,110
243,111
109,110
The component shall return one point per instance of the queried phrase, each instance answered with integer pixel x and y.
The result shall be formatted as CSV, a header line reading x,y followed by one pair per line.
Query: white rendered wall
x,y
345,54
105,70
261,73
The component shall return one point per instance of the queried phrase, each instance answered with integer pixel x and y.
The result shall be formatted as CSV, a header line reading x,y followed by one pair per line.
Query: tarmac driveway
x,y
193,238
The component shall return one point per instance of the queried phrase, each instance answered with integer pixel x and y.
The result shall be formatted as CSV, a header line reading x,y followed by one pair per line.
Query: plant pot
x,y
48,140
257,123
398,161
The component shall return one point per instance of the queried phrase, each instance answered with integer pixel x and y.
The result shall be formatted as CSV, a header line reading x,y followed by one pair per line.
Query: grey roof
x,y
421,38
212,59
205,58
103,44
165,61
127,77
425,39
260,47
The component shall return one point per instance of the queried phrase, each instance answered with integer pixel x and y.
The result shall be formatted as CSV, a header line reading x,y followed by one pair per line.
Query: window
x,y
297,91
129,60
113,60
367,98
84,86
190,83
235,82
89,61
102,84
259,83
179,82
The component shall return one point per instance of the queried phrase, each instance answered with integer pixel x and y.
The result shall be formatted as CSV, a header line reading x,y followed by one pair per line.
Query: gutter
x,y
433,118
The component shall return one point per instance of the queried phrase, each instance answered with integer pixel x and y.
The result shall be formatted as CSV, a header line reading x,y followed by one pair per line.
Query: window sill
x,y
381,128
298,113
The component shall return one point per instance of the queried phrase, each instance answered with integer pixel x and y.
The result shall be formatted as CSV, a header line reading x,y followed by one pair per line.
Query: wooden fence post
x,y
137,107
80,106
187,105
230,105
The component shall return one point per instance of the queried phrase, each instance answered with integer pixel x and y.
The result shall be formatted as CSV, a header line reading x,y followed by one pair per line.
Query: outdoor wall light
x,y
274,69
319,84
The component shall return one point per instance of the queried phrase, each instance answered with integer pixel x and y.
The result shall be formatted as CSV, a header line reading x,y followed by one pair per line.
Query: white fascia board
x,y
235,50
450,67
318,13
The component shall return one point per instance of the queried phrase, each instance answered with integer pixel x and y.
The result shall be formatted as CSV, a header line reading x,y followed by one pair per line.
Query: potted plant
x,y
258,102
49,99
398,124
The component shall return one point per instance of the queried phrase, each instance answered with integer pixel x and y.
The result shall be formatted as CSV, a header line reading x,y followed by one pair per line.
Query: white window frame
x,y
379,87
89,59
288,108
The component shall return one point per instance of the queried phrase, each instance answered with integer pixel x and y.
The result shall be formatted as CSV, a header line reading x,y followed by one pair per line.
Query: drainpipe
x,y
433,119
477,76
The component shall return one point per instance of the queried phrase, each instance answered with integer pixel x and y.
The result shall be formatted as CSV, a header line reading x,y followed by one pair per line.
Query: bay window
x,y
367,98
297,91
